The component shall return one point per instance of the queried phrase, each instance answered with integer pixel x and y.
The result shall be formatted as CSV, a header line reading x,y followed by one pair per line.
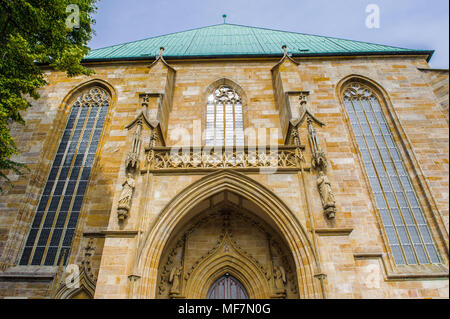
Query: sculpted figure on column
x,y
174,278
326,194
280,279
125,197
133,155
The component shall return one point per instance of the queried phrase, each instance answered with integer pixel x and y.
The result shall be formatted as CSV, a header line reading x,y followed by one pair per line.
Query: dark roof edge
x,y
432,69
294,55
298,55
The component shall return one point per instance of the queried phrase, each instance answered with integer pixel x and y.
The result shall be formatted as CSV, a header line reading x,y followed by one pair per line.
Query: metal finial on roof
x,y
224,16
161,51
284,47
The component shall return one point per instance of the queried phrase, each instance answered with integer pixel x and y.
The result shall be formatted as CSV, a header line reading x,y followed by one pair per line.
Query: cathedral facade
x,y
233,162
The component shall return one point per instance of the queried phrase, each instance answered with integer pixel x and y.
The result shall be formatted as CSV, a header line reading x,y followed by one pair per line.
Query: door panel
x,y
227,287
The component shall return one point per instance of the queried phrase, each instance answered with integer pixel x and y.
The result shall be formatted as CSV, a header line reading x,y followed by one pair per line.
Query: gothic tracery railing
x,y
167,158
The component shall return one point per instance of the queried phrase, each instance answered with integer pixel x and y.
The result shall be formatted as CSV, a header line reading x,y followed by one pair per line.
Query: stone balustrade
x,y
248,158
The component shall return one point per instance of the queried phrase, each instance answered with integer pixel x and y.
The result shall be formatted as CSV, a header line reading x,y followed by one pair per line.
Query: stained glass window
x,y
224,123
402,216
56,217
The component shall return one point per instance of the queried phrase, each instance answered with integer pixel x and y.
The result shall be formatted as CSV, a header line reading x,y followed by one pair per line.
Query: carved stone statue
x,y
279,275
327,195
315,147
174,279
126,196
318,159
133,156
86,262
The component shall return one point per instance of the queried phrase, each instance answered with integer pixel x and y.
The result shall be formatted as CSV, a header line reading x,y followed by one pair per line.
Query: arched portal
x,y
225,238
284,267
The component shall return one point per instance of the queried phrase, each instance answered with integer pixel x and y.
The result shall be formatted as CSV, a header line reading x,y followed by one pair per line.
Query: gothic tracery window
x,y
54,224
407,231
224,123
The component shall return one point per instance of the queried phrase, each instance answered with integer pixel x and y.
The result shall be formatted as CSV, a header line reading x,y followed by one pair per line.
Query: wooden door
x,y
227,287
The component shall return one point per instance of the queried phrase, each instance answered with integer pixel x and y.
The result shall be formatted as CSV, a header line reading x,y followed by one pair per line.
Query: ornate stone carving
x,y
279,275
225,94
225,245
320,163
327,195
283,260
318,160
359,92
126,197
86,262
174,279
174,267
295,138
133,155
303,98
241,157
86,278
93,97
304,111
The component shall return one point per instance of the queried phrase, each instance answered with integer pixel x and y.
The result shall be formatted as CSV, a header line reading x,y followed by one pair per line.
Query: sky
x,y
412,24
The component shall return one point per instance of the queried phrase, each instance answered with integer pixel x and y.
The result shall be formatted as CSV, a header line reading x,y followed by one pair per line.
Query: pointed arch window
x,y
56,217
406,228
227,287
224,123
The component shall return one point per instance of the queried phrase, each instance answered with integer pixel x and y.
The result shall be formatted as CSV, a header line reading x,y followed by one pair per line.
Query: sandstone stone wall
x,y
350,247
439,83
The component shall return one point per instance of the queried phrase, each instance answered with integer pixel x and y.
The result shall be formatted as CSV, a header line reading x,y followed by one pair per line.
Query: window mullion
x,y
390,184
82,167
44,254
379,180
59,206
225,117
401,212
215,123
224,110
234,123
55,182
66,182
402,189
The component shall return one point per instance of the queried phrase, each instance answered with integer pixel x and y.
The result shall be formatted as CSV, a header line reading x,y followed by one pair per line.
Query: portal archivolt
x,y
207,231
226,240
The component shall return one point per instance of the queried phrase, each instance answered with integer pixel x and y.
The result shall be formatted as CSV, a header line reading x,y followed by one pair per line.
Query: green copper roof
x,y
236,40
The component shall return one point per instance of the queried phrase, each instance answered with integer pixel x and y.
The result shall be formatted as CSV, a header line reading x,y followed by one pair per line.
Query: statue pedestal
x,y
122,214
279,294
330,212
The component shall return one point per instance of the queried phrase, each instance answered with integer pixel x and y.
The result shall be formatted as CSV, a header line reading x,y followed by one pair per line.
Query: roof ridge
x,y
220,40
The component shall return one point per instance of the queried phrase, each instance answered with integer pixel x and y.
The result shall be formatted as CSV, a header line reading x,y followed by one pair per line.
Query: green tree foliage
x,y
34,33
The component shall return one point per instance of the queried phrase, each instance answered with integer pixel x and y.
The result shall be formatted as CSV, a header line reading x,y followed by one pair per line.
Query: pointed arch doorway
x,y
172,267
227,287
225,251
